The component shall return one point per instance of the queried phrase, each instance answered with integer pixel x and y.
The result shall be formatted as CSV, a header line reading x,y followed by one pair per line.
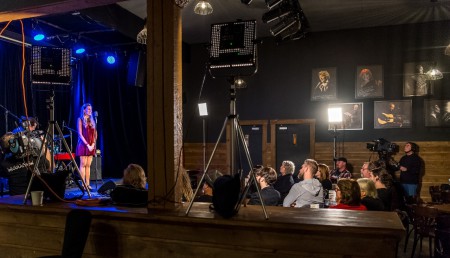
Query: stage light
x,y
239,83
202,109
276,14
203,7
141,37
78,48
37,32
110,59
272,3
335,115
283,25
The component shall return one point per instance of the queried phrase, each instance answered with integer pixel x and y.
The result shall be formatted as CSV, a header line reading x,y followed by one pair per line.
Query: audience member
x,y
284,180
376,173
410,167
208,184
306,192
369,196
340,171
348,195
133,191
323,174
365,173
271,197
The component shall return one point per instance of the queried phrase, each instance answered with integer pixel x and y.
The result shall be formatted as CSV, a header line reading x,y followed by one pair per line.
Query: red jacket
x,y
348,207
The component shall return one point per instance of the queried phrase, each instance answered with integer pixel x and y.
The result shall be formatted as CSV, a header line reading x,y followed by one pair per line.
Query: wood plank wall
x,y
434,154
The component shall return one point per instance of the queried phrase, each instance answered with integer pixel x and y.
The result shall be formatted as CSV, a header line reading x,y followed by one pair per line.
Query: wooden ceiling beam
x,y
15,10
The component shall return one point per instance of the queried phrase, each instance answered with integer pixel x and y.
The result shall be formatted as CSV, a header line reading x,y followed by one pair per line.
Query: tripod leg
x,y
35,167
252,174
72,158
207,166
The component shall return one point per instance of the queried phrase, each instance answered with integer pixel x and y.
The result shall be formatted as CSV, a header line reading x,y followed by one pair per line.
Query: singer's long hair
x,y
90,120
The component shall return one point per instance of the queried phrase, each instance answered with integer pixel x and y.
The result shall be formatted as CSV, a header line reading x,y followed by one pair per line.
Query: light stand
x,y
203,112
334,118
236,135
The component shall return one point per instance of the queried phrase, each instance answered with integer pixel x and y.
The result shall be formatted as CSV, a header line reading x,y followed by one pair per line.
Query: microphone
x,y
95,116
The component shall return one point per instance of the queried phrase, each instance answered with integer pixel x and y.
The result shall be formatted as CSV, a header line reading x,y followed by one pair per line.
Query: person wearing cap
x,y
340,171
207,188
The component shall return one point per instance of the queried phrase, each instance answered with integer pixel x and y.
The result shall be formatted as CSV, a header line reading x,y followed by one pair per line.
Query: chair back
x,y
435,193
442,246
425,220
445,196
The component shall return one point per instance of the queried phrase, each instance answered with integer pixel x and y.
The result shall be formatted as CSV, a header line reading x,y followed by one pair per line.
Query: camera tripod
x,y
35,172
236,137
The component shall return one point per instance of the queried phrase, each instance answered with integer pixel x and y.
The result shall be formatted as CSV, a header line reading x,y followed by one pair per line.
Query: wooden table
x,y
443,208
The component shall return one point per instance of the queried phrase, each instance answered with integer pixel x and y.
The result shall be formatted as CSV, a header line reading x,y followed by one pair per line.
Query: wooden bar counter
x,y
30,231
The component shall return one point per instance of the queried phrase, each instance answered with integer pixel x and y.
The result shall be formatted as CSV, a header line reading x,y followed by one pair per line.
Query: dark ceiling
x,y
115,26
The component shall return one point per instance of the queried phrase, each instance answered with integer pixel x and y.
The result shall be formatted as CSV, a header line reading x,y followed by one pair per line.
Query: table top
x,y
444,208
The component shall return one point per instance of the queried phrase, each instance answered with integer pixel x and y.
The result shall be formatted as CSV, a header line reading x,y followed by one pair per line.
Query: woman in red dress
x,y
87,136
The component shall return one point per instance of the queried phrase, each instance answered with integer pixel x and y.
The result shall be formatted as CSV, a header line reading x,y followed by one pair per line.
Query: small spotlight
x,y
39,37
110,59
80,50
239,83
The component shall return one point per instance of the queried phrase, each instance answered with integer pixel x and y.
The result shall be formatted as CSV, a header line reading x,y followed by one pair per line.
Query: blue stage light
x,y
38,37
110,59
80,50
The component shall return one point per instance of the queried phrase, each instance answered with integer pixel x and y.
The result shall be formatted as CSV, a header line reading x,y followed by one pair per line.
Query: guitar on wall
x,y
386,118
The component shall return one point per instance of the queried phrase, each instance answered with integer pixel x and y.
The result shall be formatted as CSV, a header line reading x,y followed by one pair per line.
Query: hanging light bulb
x,y
203,7
434,74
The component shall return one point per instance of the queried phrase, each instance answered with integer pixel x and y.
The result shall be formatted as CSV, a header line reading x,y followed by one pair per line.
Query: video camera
x,y
383,146
21,144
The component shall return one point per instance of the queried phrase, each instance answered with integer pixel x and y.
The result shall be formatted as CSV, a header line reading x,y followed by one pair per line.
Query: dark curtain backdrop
x,y
121,108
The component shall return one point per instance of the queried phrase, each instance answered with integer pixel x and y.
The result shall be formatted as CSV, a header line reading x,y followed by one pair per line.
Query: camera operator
x,y
410,167
17,166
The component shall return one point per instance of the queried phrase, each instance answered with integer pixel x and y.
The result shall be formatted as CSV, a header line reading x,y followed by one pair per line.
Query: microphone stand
x,y
95,154
7,112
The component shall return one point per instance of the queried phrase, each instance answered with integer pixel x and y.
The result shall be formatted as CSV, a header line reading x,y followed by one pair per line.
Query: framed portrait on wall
x,y
369,81
352,116
415,79
392,114
323,84
437,113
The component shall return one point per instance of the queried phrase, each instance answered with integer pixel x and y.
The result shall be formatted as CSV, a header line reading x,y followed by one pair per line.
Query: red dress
x,y
88,133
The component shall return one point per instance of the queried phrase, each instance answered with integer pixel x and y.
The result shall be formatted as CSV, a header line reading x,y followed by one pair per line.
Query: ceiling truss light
x,y
203,7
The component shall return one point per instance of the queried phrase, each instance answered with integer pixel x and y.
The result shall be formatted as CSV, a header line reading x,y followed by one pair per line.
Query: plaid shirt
x,y
336,175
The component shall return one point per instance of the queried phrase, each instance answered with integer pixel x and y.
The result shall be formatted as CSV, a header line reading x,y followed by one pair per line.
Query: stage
x,y
33,231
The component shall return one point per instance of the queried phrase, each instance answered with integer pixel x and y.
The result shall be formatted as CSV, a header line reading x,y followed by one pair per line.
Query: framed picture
x,y
323,84
437,113
352,116
392,114
369,81
415,79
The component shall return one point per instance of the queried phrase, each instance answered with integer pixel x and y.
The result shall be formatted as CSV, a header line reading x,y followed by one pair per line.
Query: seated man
x,y
340,171
265,178
308,191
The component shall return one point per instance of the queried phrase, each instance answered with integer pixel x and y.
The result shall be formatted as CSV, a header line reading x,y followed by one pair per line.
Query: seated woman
x,y
285,181
133,191
271,197
369,196
348,195
323,175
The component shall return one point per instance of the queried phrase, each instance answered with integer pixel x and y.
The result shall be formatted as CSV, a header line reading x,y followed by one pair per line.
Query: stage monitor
x,y
233,49
51,65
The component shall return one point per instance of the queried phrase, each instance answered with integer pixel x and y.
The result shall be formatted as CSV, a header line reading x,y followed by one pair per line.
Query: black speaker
x,y
96,163
106,188
137,65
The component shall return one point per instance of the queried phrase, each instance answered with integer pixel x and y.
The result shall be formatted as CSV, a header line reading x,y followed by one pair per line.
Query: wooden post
x,y
164,107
